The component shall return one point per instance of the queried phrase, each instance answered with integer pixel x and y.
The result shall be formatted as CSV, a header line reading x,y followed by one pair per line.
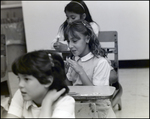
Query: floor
x,y
135,98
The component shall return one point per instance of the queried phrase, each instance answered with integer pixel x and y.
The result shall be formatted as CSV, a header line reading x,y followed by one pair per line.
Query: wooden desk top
x,y
91,92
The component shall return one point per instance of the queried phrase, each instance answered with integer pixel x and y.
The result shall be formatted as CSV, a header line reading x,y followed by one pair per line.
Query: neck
x,y
86,51
39,100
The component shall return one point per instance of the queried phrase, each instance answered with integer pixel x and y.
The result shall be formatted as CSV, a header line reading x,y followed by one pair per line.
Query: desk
x,y
86,96
91,92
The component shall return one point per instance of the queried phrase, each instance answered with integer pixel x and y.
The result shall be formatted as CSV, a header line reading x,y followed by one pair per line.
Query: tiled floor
x,y
135,98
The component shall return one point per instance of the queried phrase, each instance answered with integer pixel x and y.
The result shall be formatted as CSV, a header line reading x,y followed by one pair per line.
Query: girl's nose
x,y
70,45
69,21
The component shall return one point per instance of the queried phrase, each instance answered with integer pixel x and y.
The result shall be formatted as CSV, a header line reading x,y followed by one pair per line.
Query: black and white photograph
x,y
74,59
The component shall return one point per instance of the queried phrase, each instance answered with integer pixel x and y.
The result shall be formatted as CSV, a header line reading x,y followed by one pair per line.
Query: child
x,y
42,89
75,10
89,68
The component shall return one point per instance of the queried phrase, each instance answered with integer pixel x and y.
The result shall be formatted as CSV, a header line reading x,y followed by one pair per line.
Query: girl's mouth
x,y
73,51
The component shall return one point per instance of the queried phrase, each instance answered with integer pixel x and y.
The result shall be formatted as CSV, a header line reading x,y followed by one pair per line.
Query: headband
x,y
79,4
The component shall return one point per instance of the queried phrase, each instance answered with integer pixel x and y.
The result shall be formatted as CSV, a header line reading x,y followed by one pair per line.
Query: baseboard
x,y
134,63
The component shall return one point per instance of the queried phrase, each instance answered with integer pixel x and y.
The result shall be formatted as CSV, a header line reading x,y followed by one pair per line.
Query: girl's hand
x,y
52,96
75,65
60,46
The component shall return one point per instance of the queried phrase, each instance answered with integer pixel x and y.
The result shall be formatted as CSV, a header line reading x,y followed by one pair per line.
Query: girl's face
x,y
31,88
79,47
71,17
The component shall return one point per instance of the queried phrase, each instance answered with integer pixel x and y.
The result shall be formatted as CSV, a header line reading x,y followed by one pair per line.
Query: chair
x,y
111,37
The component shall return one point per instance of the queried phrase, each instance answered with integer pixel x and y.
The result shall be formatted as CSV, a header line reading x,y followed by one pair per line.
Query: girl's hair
x,y
85,28
78,7
42,64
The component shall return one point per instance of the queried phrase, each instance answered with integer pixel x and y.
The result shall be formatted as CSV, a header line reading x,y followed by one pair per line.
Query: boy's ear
x,y
83,16
50,82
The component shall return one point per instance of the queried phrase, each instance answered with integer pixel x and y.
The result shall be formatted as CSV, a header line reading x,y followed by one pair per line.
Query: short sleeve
x,y
64,108
101,73
16,105
95,27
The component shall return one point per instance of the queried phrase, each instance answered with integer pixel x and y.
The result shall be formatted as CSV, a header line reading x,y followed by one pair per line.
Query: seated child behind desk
x,y
74,10
89,67
42,89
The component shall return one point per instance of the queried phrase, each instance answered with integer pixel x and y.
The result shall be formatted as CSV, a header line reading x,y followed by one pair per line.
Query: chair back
x,y
110,37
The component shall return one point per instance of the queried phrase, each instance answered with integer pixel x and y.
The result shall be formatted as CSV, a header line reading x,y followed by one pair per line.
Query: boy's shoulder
x,y
65,100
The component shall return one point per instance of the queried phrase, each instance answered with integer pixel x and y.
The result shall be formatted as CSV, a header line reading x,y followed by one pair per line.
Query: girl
x,y
89,67
42,90
75,10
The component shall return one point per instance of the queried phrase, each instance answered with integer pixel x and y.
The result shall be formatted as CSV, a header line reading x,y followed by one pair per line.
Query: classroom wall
x,y
130,18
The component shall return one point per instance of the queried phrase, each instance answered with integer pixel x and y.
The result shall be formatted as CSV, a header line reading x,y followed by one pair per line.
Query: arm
x,y
78,69
101,72
59,44
47,103
85,79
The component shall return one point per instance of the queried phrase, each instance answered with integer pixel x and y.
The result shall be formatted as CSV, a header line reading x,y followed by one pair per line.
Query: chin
x,y
26,98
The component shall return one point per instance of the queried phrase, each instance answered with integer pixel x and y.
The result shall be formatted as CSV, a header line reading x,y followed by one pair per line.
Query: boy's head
x,y
45,67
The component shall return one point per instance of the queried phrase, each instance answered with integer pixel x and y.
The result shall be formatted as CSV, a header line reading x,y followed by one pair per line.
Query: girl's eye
x,y
73,17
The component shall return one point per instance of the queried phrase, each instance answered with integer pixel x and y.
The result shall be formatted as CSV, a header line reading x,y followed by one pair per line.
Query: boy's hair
x,y
78,7
42,64
85,28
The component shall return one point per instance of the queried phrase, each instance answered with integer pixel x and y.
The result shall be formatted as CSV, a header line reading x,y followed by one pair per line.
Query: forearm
x,y
85,79
47,103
